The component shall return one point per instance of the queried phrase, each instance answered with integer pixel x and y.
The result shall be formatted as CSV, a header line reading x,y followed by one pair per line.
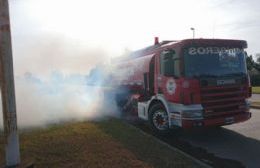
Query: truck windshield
x,y
214,62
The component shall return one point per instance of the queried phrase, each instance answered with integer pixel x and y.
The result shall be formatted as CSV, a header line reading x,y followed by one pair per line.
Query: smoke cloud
x,y
55,62
57,80
60,98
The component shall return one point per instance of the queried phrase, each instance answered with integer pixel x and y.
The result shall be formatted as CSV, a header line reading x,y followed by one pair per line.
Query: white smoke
x,y
52,65
60,98
58,80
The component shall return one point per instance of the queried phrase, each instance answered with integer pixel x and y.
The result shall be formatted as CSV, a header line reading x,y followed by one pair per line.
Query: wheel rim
x,y
160,120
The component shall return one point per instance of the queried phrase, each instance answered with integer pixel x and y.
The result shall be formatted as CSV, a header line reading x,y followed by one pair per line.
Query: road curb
x,y
172,148
255,107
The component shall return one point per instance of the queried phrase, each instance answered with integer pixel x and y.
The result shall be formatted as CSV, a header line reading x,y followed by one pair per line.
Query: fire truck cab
x,y
188,83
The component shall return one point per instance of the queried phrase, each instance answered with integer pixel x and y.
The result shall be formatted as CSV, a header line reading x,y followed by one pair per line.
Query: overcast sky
x,y
66,34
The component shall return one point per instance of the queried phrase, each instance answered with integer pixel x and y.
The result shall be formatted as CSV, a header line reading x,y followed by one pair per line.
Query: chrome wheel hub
x,y
160,120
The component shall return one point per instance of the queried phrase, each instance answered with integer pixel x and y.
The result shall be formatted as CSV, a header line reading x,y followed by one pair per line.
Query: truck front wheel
x,y
158,119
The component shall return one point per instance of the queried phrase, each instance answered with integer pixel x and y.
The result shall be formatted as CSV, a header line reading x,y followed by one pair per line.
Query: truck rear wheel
x,y
158,119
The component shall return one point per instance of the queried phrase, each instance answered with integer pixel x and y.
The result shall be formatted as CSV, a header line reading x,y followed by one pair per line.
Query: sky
x,y
75,35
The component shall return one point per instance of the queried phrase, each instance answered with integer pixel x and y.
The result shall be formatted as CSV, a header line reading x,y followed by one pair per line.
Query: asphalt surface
x,y
239,142
232,146
255,97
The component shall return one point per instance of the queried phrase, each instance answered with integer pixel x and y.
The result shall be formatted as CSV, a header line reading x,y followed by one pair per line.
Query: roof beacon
x,y
156,40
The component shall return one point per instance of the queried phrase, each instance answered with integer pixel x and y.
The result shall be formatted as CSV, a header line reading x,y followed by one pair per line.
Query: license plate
x,y
229,120
226,82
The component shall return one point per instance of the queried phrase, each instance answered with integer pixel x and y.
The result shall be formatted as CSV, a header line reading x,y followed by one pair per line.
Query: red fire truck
x,y
188,83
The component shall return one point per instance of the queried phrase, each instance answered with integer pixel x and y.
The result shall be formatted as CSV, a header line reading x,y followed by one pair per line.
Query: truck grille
x,y
223,100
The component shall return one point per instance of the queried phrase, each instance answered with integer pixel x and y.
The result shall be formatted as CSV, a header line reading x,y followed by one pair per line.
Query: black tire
x,y
158,119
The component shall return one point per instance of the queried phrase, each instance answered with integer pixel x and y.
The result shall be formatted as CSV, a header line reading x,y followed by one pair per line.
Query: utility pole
x,y
12,152
193,32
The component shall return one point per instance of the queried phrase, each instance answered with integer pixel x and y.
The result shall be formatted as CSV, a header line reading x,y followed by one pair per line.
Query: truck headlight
x,y
191,114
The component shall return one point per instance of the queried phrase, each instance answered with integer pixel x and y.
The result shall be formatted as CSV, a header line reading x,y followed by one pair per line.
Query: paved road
x,y
239,142
255,97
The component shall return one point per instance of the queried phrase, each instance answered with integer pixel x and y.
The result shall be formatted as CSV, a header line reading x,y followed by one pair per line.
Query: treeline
x,y
253,68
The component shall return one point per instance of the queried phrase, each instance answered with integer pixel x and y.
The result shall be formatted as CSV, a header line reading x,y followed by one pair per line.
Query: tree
x,y
258,58
257,63
249,62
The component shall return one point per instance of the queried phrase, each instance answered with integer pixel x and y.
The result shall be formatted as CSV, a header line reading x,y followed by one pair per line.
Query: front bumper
x,y
217,121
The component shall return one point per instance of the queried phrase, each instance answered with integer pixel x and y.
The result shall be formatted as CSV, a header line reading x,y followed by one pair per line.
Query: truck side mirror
x,y
169,53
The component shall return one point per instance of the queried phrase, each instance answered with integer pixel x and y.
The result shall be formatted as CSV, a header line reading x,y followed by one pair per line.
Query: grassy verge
x,y
256,90
103,144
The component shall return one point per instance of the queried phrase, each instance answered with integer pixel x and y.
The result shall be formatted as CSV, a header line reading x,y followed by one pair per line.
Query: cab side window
x,y
169,63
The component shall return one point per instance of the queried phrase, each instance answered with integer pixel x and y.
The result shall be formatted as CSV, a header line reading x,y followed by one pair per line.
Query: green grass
x,y
256,90
109,143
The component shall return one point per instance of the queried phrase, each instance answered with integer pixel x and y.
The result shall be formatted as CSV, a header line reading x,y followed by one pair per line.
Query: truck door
x,y
169,75
151,76
149,80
